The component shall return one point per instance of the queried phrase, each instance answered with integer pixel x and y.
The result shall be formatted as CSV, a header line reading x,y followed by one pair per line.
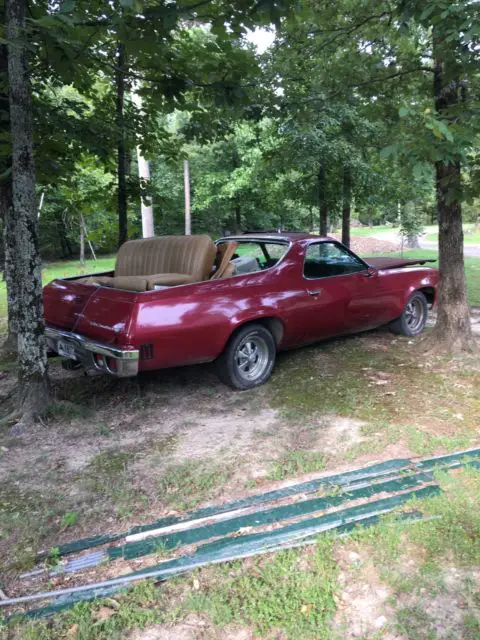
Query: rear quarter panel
x,y
192,323
402,282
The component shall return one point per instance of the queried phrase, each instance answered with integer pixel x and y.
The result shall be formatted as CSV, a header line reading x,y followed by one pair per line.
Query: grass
x,y
106,477
385,385
471,234
281,592
369,231
472,271
186,485
27,518
295,594
294,463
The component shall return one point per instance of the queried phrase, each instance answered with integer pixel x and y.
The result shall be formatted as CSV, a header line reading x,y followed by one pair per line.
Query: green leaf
x,y
391,150
403,111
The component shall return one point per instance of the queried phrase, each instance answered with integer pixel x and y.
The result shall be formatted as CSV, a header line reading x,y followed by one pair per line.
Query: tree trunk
x,y
322,201
22,232
238,216
6,207
10,344
453,329
412,242
82,242
347,205
121,153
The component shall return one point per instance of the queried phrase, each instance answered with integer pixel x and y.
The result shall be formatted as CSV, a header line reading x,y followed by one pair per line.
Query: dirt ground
x,y
114,453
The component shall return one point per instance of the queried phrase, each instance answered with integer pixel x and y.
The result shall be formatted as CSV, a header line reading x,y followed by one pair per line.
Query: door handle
x,y
314,293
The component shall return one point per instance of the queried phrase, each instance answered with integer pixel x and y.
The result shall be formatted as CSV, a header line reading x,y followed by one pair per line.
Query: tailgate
x,y
95,312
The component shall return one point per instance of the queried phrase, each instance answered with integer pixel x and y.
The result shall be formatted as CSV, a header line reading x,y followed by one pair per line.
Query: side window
x,y
327,259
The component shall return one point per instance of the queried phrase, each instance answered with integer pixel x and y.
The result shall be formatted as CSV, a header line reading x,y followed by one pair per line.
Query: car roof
x,y
279,236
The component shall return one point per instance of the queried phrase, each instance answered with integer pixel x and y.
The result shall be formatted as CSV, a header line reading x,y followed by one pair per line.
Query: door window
x,y
327,259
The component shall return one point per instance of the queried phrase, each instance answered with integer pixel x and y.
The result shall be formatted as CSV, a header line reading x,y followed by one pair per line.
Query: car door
x,y
328,291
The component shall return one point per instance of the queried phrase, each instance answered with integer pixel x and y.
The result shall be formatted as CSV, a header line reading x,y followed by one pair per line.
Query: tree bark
x,y
22,232
121,152
412,242
453,329
238,216
322,201
347,205
82,242
10,345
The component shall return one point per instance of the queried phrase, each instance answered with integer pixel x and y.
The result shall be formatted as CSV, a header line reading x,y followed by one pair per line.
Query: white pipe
x,y
186,184
144,175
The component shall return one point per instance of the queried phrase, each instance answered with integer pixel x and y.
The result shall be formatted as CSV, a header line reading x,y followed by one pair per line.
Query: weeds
x,y
186,485
284,591
296,462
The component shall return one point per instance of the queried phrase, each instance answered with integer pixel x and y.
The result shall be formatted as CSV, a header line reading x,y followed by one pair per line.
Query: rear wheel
x,y
248,358
414,317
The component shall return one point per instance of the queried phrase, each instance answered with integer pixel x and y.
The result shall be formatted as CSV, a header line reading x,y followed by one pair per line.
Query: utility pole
x,y
148,230
186,182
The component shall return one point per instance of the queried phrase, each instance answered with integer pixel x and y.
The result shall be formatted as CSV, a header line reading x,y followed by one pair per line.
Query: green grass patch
x,y
424,443
64,410
287,591
472,271
27,518
382,381
107,477
470,234
108,619
362,232
293,463
186,485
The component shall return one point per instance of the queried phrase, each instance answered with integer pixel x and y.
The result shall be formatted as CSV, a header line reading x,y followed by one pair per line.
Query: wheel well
x,y
429,293
274,325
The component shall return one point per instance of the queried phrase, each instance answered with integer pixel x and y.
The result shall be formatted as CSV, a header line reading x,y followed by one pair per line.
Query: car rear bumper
x,y
117,361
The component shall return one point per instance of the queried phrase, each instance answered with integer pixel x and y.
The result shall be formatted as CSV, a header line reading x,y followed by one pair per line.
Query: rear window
x,y
259,255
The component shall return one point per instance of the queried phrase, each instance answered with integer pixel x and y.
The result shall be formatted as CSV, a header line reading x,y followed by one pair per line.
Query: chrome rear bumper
x,y
94,355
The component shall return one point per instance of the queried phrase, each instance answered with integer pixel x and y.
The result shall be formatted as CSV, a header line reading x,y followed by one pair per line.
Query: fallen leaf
x,y
72,632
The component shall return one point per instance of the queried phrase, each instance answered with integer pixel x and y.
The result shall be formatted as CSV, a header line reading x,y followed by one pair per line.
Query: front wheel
x,y
414,317
248,358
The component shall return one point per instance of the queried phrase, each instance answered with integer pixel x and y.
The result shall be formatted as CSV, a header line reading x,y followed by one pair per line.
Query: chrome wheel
x,y
415,314
251,357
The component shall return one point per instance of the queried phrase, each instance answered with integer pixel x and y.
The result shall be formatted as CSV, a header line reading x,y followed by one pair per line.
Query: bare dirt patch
x,y
192,628
362,604
366,245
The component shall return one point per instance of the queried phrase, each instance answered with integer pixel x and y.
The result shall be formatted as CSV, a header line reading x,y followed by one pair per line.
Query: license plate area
x,y
66,350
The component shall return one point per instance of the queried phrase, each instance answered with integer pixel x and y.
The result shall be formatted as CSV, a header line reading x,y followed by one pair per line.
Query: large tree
x,y
70,43
415,66
22,224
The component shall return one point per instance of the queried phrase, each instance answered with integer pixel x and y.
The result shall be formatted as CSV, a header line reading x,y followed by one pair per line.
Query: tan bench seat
x,y
163,261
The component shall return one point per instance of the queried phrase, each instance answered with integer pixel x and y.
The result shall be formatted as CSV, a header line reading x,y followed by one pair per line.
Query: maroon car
x,y
182,300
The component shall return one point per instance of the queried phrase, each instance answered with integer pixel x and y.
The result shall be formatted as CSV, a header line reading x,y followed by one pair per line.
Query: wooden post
x,y
188,215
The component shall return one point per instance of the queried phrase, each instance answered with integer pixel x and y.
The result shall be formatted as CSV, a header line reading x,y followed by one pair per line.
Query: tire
x,y
414,317
248,358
